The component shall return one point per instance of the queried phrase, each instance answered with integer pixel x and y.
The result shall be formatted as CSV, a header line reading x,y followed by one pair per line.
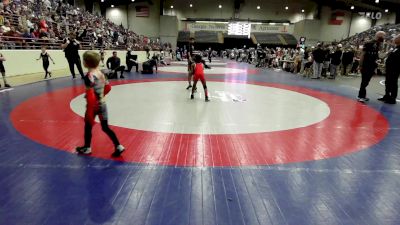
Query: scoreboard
x,y
237,28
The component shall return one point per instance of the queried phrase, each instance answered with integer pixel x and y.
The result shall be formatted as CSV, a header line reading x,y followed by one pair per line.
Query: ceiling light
x,y
220,6
302,10
112,6
191,5
258,7
287,7
102,0
133,0
352,7
376,1
386,10
172,6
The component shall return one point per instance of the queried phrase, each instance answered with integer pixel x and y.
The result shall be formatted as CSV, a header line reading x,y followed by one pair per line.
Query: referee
x,y
392,73
71,47
368,63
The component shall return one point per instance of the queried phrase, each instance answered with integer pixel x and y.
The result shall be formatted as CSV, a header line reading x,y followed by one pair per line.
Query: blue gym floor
x,y
43,185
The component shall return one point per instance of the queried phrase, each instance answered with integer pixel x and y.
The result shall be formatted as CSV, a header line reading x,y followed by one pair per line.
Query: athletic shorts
x,y
199,77
100,111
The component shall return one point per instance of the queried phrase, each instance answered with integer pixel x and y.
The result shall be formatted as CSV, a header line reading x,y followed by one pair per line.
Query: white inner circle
x,y
213,70
234,108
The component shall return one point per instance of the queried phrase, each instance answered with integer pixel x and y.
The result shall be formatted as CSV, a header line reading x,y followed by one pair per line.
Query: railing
x,y
18,43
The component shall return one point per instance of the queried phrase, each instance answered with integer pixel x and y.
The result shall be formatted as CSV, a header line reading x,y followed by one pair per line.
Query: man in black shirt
x,y
131,60
347,61
209,54
392,73
368,63
114,64
318,57
336,59
71,47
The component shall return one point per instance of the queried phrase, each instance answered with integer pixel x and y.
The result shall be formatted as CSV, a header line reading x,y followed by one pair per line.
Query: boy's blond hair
x,y
91,59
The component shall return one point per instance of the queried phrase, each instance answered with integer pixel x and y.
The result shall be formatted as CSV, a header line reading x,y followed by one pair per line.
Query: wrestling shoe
x,y
83,150
207,100
362,100
7,85
188,87
118,151
191,96
383,99
122,77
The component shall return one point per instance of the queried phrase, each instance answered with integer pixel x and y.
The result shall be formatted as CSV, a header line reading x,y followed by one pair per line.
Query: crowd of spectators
x,y
50,21
337,58
359,39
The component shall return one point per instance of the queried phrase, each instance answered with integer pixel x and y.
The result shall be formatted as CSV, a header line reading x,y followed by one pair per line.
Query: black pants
x,y
72,62
147,68
46,67
106,129
366,75
132,64
355,66
115,75
391,86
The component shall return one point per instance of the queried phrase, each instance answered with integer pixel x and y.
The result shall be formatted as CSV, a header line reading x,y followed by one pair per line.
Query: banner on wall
x,y
207,27
337,18
142,11
224,27
267,28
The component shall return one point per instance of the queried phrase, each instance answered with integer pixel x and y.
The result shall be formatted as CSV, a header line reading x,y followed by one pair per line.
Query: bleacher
x,y
275,39
14,40
290,39
183,36
268,38
206,37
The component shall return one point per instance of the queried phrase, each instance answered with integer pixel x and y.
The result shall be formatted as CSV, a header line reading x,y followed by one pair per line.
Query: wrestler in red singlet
x,y
198,72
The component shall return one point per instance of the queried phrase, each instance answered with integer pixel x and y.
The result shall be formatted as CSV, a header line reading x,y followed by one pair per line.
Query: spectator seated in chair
x,y
114,66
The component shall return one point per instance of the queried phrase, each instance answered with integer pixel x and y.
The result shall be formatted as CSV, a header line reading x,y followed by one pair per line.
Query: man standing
x,y
347,61
209,54
318,57
368,63
392,73
131,60
71,47
114,64
336,59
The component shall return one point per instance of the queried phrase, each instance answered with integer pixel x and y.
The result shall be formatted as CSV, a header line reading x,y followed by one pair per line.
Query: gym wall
x,y
23,62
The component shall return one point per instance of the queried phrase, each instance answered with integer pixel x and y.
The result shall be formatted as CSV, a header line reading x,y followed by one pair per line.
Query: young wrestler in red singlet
x,y
198,74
